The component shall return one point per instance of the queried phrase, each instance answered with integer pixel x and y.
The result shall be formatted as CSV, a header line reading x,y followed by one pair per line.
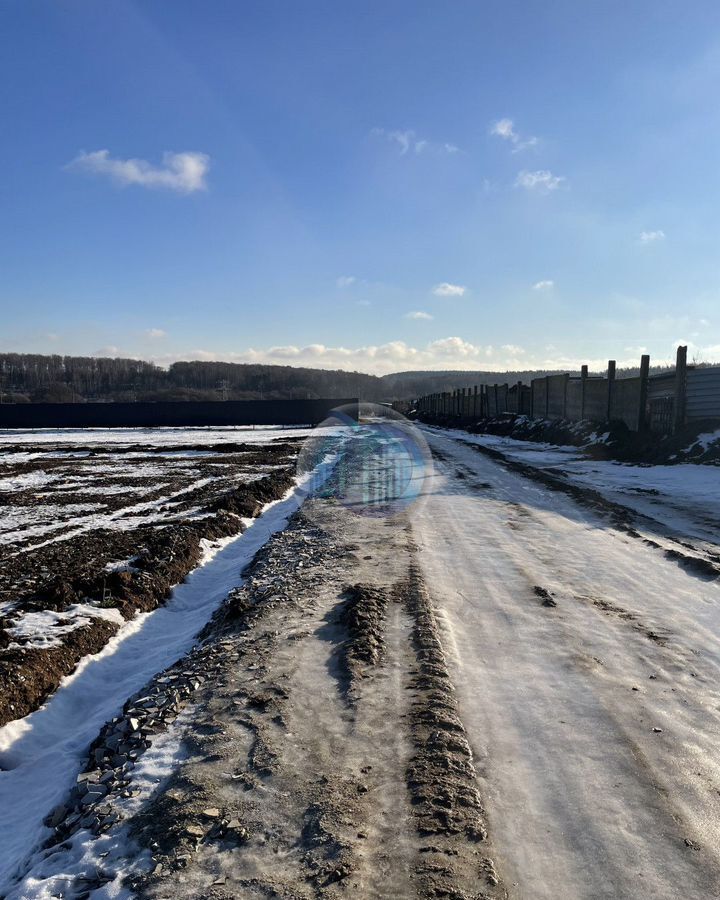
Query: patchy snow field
x,y
505,689
42,753
75,504
684,497
157,437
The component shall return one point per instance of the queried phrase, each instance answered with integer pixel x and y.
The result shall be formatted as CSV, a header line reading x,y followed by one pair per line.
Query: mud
x,y
300,777
364,618
60,574
441,777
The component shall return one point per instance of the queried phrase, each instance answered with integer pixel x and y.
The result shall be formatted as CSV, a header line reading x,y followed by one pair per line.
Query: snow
x,y
43,752
684,496
159,437
704,441
27,481
21,522
584,799
122,565
54,872
45,629
81,487
120,519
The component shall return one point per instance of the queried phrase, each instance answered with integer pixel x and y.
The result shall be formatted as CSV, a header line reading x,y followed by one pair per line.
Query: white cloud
x,y
182,172
546,285
650,237
638,350
345,281
408,141
445,289
418,315
394,356
542,181
707,353
446,353
110,350
156,333
505,129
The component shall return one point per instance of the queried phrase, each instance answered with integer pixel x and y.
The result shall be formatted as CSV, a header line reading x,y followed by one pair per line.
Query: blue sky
x,y
367,185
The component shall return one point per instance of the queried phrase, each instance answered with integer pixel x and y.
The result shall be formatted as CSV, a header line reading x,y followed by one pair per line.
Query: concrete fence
x,y
662,403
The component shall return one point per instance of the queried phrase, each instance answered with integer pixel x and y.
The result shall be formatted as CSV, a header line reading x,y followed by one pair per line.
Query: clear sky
x,y
377,185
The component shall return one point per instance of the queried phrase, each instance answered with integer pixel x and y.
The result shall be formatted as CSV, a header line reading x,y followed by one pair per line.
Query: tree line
x,y
37,378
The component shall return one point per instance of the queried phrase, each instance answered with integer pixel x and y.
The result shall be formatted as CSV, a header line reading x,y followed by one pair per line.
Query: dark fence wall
x,y
172,414
663,403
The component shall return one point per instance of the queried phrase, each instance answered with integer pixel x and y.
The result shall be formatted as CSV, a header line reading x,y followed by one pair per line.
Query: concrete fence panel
x,y
626,399
595,406
556,385
573,405
539,398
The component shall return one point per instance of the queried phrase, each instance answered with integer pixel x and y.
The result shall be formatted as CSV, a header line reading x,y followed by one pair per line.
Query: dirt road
x,y
495,693
594,721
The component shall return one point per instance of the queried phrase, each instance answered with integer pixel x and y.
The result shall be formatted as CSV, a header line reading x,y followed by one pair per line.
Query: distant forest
x,y
34,378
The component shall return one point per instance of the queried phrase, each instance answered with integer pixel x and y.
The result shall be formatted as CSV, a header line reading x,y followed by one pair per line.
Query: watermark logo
x,y
375,465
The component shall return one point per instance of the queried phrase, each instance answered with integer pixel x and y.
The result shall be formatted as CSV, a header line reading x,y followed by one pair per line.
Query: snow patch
x,y
46,628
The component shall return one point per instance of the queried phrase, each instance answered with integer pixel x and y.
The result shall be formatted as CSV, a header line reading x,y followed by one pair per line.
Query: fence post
x,y
680,388
583,377
644,375
610,387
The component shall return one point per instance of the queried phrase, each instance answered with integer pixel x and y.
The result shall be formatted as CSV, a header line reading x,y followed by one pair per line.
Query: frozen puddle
x,y
41,754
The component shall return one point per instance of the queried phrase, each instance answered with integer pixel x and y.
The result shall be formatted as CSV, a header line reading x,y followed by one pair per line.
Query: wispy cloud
x,y
651,237
505,129
513,349
181,172
409,142
419,315
546,285
542,181
345,281
445,289
156,333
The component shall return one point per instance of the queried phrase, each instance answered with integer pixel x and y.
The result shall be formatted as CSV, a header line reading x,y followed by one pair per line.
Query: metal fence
x,y
702,393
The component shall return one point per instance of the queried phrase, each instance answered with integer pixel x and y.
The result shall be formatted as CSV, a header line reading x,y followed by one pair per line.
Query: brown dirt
x,y
164,557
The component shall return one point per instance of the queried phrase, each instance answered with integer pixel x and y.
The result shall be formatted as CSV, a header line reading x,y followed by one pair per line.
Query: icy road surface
x,y
595,722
